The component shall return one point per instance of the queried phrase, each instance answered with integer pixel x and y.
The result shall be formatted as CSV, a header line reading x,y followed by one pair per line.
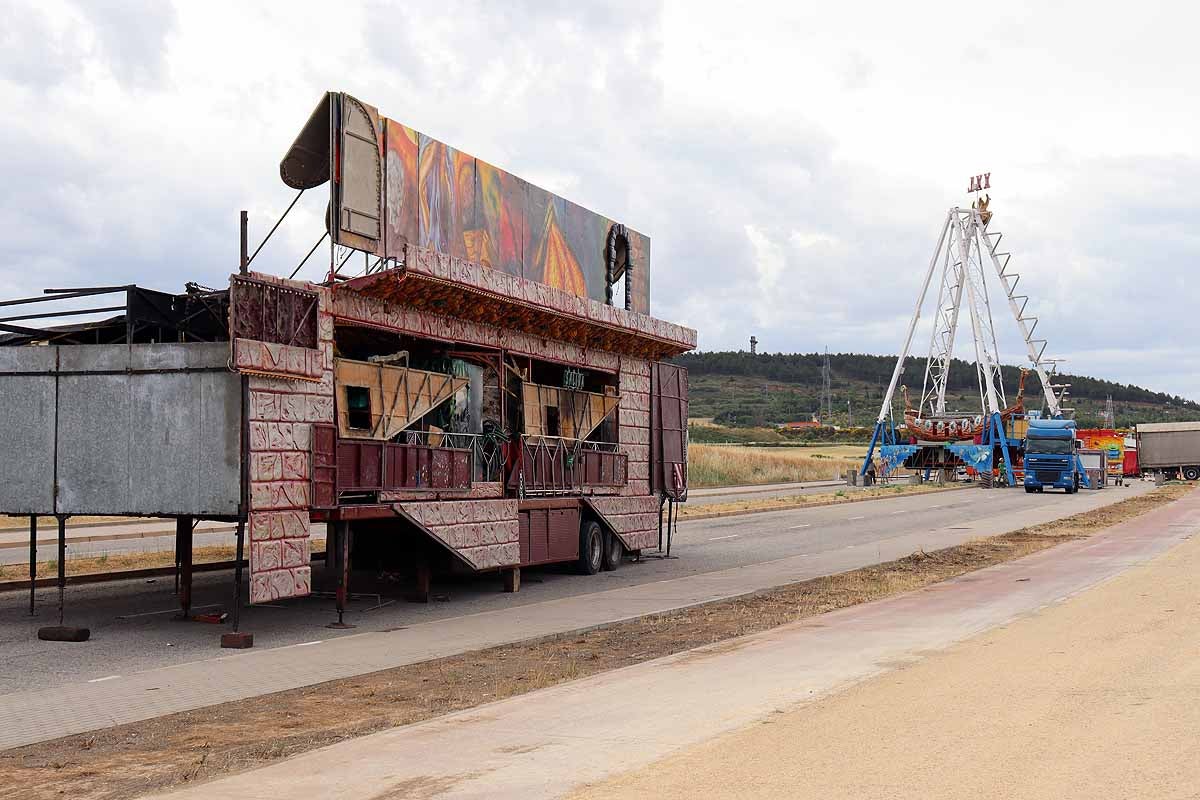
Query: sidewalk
x,y
548,743
80,707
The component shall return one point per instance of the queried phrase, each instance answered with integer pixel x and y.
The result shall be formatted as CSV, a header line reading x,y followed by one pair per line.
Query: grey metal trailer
x,y
1170,449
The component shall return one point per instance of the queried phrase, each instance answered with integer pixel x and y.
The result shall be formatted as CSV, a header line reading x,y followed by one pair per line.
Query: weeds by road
x,y
789,502
139,758
716,465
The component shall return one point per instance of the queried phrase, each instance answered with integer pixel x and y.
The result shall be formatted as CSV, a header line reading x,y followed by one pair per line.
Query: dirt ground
x,y
1096,697
135,759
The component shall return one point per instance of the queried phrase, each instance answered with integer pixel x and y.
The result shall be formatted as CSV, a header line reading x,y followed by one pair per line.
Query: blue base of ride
x,y
885,433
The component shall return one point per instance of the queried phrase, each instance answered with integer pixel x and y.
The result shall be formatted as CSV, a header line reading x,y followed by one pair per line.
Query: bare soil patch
x,y
135,759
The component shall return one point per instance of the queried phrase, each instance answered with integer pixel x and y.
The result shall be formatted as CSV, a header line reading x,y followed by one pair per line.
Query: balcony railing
x,y
550,465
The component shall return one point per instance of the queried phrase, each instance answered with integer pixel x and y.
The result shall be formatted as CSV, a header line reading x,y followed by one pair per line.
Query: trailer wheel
x,y
614,551
591,547
1191,473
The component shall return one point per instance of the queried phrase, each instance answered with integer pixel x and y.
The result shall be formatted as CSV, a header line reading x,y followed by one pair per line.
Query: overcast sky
x,y
791,163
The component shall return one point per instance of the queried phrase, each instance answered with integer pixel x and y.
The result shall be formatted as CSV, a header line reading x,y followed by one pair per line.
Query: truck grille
x,y
1046,475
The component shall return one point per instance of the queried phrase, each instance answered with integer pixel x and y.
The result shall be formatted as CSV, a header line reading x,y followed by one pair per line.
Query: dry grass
x,y
720,465
754,506
51,524
113,562
139,758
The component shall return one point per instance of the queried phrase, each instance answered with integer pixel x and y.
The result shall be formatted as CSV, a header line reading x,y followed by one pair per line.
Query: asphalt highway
x,y
134,627
145,536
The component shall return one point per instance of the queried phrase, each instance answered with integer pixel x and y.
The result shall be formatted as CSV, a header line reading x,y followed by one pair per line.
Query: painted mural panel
x,y
586,233
446,189
553,261
449,201
401,148
500,237
639,257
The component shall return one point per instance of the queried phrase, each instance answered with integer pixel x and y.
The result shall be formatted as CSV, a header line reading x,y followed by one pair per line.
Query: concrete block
x,y
28,359
93,358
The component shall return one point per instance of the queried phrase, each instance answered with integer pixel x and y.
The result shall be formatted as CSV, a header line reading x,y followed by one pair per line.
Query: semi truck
x,y
1050,456
1170,449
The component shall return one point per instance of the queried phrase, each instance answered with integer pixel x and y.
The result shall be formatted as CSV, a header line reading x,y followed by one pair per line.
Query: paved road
x,y
145,536
1036,710
133,627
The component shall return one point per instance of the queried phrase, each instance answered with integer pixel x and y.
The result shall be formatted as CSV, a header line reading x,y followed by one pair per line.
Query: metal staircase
x,y
1035,347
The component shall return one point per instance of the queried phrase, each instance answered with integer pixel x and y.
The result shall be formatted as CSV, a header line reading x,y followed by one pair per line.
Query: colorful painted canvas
x,y
400,173
500,236
447,200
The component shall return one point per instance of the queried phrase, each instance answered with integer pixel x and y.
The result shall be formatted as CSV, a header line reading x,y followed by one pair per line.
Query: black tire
x,y
591,547
1029,490
1191,473
614,552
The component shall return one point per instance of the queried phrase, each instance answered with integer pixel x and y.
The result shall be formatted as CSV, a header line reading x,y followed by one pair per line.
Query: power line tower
x,y
1110,419
753,345
826,408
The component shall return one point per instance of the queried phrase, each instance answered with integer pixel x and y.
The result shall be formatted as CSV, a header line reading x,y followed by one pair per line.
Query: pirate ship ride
x,y
939,428
966,252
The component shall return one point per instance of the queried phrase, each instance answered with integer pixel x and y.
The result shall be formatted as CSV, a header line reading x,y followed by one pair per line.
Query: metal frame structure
x,y
965,249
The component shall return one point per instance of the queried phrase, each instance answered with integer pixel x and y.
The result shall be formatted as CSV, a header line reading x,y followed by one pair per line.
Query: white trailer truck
x,y
1171,449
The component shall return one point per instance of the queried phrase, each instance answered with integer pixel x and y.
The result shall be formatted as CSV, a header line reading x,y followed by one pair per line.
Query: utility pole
x,y
826,391
849,415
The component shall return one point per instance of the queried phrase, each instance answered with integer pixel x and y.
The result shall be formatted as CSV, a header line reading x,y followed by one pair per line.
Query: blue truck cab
x,y
1050,455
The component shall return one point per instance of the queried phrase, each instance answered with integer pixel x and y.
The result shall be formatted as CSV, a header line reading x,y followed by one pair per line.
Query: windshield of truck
x,y
1055,447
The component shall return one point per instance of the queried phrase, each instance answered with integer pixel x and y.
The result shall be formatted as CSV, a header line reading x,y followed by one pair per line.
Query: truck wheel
x,y
591,547
1191,473
1028,490
614,552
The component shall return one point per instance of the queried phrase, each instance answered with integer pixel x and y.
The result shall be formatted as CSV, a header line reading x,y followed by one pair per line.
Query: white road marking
x,y
934,506
719,538
854,518
105,678
901,511
805,525
306,644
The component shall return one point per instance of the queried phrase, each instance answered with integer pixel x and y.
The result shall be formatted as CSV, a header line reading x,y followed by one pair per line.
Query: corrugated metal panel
x,y
563,533
324,466
371,466
523,522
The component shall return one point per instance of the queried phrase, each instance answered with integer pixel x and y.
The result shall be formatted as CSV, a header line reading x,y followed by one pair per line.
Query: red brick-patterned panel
x,y
291,392
362,310
485,533
633,519
634,424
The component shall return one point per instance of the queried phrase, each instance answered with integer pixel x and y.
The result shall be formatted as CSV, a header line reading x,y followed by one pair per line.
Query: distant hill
x,y
765,389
